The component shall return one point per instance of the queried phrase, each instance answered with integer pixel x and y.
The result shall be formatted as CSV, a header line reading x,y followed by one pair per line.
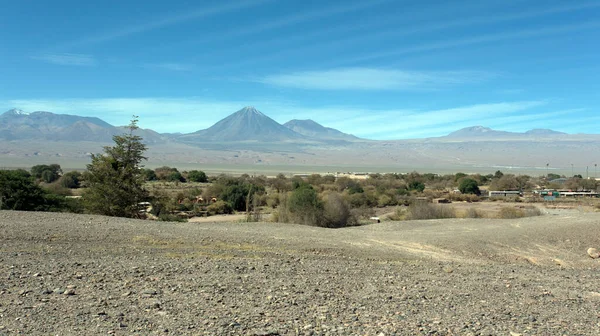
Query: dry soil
x,y
64,274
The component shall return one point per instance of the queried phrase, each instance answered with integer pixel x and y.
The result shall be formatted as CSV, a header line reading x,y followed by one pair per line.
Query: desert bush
x,y
362,213
281,214
404,200
57,189
254,211
385,200
336,212
273,200
365,199
399,214
511,212
431,194
423,210
464,198
402,191
219,208
474,213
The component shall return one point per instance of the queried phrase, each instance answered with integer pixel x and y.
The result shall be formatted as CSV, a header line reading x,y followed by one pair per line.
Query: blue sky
x,y
380,69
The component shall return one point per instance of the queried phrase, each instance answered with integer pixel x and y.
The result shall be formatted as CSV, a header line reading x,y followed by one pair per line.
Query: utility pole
x,y
572,174
587,173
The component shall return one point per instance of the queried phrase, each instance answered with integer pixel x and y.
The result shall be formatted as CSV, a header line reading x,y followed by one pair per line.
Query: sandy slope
x,y
447,277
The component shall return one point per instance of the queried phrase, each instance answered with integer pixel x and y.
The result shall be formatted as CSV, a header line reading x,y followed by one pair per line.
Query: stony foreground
x,y
63,274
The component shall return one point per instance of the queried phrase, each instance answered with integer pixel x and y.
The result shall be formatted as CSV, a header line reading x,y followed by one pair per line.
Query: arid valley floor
x,y
65,274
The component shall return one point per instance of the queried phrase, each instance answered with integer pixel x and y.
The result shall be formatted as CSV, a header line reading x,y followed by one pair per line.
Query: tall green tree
x,y
115,180
469,186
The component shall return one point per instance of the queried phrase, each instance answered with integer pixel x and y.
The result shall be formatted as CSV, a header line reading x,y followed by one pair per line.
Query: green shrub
x,y
417,186
305,206
469,186
19,192
164,217
149,174
385,200
71,180
219,208
175,176
197,176
46,173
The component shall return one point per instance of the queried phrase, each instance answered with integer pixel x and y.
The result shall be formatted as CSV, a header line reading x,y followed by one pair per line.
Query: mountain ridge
x,y
247,124
486,132
17,124
311,128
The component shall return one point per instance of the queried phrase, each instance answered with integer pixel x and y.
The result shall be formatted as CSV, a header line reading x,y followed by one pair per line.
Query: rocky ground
x,y
64,274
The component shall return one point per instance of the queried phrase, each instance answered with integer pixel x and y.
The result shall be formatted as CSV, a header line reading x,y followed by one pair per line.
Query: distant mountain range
x,y
488,133
19,125
246,125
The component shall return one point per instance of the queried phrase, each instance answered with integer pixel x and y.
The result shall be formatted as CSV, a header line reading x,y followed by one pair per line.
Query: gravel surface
x,y
65,274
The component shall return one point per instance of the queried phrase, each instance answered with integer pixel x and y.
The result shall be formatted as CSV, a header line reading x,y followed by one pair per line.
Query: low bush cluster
x,y
512,212
424,210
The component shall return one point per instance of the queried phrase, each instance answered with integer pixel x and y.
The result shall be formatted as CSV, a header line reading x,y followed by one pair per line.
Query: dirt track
x,y
80,274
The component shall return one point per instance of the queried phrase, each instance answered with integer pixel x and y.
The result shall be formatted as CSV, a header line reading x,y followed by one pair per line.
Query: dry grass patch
x,y
511,212
422,210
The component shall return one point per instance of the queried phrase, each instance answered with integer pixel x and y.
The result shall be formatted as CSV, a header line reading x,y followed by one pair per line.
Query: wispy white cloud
x,y
182,67
373,79
474,40
284,21
66,59
395,32
157,23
